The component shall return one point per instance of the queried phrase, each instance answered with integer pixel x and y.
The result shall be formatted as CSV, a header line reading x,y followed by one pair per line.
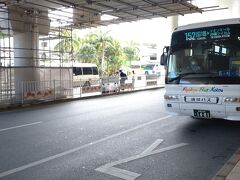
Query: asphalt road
x,y
112,137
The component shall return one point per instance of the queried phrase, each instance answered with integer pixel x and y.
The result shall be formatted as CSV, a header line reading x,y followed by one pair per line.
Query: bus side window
x,y
95,71
74,71
87,71
77,71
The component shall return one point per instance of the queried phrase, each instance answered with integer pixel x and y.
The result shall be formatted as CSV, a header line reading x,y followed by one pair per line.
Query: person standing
x,y
133,79
123,78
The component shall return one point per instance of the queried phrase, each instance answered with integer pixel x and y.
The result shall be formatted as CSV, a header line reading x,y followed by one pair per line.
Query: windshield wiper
x,y
180,76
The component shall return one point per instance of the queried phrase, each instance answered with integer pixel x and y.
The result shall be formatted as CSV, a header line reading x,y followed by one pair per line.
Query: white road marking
x,y
24,125
128,175
121,173
153,146
36,163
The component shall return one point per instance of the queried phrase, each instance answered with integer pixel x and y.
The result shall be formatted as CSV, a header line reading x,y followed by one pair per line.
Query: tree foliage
x,y
131,52
87,53
102,41
114,56
99,48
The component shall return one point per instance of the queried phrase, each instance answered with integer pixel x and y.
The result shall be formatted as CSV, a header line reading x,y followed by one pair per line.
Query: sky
x,y
143,31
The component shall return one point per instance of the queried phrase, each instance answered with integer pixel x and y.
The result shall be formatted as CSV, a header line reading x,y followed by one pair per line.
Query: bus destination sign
x,y
214,33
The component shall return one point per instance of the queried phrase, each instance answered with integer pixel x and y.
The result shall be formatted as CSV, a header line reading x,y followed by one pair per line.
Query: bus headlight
x,y
171,97
232,99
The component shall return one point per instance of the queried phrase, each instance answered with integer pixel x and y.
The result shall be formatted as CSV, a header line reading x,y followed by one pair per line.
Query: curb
x,y
38,104
230,170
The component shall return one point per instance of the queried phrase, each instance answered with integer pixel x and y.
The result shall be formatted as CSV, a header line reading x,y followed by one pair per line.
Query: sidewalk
x,y
231,170
235,173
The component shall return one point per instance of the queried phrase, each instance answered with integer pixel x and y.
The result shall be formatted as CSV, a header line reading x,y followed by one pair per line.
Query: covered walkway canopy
x,y
92,13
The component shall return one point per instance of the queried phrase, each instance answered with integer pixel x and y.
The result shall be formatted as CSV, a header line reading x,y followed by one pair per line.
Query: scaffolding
x,y
49,59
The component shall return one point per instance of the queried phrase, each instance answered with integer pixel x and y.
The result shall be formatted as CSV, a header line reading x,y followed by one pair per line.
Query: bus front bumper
x,y
207,111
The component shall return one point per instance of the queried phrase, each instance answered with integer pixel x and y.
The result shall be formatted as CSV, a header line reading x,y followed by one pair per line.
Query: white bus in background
x,y
203,70
85,74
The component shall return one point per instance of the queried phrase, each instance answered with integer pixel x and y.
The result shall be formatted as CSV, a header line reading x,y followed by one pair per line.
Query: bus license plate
x,y
201,113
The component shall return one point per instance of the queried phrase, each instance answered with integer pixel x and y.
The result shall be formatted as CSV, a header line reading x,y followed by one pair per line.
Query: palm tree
x,y
102,40
114,55
87,53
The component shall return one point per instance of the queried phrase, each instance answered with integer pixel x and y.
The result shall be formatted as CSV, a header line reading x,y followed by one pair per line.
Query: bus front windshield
x,y
215,61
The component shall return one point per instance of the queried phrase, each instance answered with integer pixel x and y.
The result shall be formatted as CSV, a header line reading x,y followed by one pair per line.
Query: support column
x,y
26,56
173,23
236,8
26,27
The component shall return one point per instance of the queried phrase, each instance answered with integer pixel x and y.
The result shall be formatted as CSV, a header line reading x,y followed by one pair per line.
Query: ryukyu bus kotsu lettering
x,y
202,89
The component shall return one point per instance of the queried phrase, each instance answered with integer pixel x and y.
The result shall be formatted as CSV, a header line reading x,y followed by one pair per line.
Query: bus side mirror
x,y
164,56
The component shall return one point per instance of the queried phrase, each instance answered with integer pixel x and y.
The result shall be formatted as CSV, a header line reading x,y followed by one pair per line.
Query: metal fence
x,y
52,90
45,91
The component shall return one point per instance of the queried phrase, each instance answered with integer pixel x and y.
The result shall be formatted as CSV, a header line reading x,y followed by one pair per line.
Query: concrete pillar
x,y
25,59
173,22
26,29
26,46
26,56
235,8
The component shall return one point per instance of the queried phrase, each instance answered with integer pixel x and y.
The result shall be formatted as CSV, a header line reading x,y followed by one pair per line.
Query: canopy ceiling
x,y
91,13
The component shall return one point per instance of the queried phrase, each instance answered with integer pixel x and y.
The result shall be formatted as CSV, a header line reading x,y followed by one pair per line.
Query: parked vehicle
x,y
85,74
